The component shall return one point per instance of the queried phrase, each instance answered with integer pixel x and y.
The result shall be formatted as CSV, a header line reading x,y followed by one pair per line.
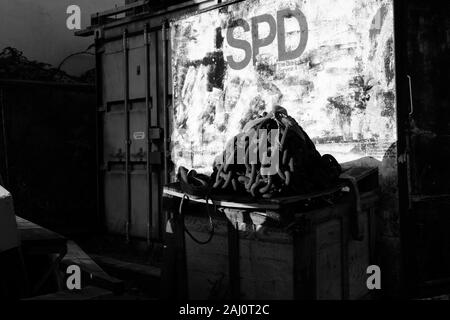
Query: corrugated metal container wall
x,y
132,118
134,94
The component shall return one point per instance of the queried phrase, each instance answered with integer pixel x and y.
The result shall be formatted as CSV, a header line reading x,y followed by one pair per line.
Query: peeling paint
x,y
341,88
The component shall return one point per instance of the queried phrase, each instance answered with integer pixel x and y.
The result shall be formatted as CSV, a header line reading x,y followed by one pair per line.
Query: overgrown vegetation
x,y
14,65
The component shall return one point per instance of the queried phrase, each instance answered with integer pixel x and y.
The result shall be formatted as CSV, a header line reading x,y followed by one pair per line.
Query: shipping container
x,y
133,57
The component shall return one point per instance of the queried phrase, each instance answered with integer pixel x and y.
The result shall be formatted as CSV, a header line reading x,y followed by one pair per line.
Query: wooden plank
x,y
263,261
234,261
129,268
266,269
180,259
168,274
329,260
87,293
247,202
428,198
223,203
361,172
97,276
36,235
36,240
30,231
372,235
305,261
207,265
77,256
345,272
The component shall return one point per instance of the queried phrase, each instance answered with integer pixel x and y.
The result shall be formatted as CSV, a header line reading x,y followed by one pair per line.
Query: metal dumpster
x,y
277,250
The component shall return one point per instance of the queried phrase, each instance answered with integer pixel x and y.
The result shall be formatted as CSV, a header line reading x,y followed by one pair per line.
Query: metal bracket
x,y
146,39
100,33
125,39
155,133
165,32
411,112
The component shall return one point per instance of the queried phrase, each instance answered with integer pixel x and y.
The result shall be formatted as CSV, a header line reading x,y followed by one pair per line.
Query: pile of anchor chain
x,y
299,167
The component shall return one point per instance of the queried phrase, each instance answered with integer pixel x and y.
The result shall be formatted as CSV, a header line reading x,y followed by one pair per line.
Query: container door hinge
x,y
155,133
146,35
165,33
125,39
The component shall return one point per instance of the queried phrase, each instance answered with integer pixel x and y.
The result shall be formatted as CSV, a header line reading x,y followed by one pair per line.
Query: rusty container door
x,y
132,86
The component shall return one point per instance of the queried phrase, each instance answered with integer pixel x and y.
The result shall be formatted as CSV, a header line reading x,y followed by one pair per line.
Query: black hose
x,y
73,55
211,233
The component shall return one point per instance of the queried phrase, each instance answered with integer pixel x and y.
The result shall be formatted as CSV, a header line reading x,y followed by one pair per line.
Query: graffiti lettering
x,y
277,29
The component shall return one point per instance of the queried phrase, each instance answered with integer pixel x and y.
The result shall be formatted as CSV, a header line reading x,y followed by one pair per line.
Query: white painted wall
x,y
38,28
